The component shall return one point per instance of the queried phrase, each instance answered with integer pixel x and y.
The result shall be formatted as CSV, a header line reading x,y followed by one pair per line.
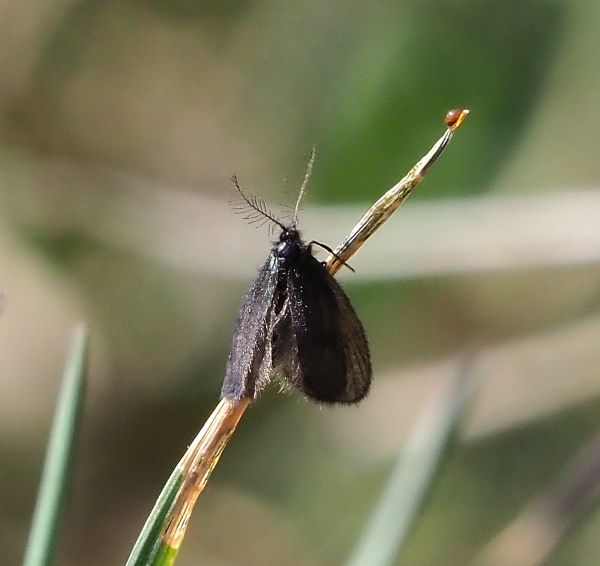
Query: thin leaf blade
x,y
148,549
41,545
412,476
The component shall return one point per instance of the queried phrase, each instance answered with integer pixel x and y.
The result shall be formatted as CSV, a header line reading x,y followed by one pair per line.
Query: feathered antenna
x,y
309,168
254,208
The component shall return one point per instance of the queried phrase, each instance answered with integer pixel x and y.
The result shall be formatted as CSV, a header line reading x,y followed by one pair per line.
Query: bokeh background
x,y
120,124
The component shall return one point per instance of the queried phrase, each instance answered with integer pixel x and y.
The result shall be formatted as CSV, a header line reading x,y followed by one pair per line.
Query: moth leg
x,y
326,247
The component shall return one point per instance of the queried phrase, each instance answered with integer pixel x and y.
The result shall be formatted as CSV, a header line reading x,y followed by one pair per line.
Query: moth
x,y
296,323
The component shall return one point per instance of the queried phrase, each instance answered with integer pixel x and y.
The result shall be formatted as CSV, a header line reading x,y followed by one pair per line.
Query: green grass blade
x,y
395,513
48,512
162,535
149,549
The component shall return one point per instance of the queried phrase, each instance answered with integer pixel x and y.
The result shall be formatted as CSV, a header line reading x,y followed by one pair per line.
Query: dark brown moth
x,y
296,324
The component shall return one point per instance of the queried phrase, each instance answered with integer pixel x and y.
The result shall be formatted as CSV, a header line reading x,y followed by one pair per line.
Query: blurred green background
x,y
120,124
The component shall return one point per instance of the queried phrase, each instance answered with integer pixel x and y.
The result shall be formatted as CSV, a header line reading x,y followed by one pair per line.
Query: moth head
x,y
289,235
289,245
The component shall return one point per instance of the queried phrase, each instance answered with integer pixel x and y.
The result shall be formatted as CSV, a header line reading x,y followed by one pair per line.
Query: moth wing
x,y
250,364
324,350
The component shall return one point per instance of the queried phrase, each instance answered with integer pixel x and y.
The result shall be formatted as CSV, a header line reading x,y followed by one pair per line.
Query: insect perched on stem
x,y
296,323
264,331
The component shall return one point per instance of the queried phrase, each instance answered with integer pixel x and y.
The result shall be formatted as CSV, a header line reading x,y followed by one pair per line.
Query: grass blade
x,y
48,512
148,548
161,537
413,474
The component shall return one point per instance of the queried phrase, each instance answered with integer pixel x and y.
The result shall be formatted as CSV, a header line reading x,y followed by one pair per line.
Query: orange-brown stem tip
x,y
455,117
